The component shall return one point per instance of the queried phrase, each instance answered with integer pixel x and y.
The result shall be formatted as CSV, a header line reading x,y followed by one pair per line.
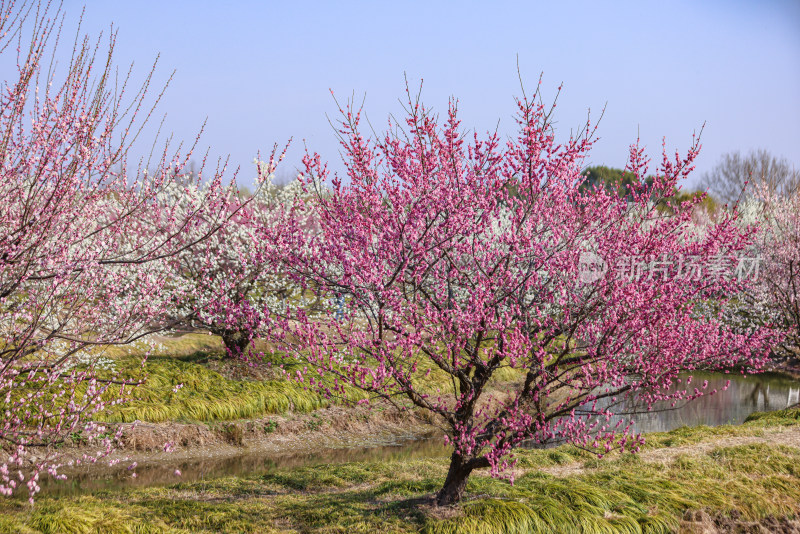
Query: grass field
x,y
213,389
738,473
206,395
631,493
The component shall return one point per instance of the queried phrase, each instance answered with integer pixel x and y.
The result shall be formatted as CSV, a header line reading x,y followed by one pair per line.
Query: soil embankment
x,y
331,428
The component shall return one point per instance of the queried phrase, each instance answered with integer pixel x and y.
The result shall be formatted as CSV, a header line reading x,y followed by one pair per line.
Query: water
x,y
745,395
247,464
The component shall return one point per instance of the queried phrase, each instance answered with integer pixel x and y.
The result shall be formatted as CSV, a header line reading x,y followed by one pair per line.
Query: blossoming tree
x,y
460,261
233,282
776,296
79,255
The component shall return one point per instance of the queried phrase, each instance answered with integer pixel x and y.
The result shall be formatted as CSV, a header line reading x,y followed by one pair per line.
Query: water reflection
x,y
745,395
247,464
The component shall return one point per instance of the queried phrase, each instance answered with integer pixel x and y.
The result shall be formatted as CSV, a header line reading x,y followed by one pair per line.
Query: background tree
x,y
232,282
776,296
451,273
736,176
80,257
619,182
614,180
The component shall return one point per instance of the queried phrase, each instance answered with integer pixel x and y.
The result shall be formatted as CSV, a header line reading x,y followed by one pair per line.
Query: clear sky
x,y
260,72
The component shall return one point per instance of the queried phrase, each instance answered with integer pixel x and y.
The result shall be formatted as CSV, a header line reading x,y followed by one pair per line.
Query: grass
x,y
623,494
206,395
184,345
616,494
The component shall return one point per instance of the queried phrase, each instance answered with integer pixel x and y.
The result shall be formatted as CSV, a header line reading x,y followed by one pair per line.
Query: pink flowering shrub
x,y
80,256
458,257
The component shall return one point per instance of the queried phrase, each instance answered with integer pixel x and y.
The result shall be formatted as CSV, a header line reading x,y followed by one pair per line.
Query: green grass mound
x,y
632,496
206,395
789,416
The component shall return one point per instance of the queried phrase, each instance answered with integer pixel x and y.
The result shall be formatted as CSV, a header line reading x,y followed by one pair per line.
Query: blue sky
x,y
260,72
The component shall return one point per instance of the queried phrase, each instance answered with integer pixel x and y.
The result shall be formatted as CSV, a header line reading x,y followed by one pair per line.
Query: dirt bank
x,y
701,522
291,434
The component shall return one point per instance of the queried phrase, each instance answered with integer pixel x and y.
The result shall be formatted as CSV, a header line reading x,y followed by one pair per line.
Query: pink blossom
x,y
462,255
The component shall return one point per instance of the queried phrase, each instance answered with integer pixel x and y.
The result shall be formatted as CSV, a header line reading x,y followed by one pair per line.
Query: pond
x,y
246,464
745,395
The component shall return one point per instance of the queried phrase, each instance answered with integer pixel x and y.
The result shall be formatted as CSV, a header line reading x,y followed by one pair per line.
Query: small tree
x,y
461,261
80,259
232,282
776,296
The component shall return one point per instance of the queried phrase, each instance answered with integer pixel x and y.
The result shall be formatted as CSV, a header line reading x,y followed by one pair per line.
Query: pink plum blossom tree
x,y
80,257
462,258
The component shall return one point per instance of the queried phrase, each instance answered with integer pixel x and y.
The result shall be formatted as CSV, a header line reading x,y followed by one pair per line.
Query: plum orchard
x,y
463,259
83,243
456,260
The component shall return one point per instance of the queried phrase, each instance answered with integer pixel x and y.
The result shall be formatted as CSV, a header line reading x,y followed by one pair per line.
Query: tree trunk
x,y
456,481
235,342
